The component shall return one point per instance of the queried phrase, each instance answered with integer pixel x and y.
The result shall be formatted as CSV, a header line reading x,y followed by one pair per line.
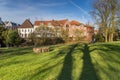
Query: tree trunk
x,y
106,38
106,35
112,37
113,24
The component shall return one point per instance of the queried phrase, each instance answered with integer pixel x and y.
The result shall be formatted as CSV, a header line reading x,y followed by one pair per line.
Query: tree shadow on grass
x,y
66,73
13,63
88,71
110,54
44,70
8,53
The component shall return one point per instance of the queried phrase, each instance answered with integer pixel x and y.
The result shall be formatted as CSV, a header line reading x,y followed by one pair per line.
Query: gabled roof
x,y
9,23
26,24
74,22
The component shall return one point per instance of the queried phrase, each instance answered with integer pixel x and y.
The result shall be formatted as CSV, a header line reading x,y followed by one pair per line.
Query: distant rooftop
x,y
26,24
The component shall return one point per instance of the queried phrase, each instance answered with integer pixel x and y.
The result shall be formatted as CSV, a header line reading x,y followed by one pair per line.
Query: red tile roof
x,y
37,23
63,21
53,22
88,26
26,24
74,22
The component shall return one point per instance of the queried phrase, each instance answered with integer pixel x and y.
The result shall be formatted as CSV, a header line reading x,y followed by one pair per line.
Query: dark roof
x,y
12,23
26,24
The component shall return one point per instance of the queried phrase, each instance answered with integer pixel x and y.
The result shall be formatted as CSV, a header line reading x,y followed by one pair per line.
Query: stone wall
x,y
41,49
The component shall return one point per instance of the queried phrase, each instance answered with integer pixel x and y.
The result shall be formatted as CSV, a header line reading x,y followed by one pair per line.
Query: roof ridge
x,y
26,24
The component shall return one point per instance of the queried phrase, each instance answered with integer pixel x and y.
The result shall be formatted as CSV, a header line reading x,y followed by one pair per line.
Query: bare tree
x,y
41,34
44,35
64,34
105,15
78,34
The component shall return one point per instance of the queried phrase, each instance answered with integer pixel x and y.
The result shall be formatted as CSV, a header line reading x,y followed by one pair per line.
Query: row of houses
x,y
9,24
27,27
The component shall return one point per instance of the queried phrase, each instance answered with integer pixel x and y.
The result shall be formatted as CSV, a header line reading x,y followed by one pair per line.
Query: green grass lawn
x,y
100,61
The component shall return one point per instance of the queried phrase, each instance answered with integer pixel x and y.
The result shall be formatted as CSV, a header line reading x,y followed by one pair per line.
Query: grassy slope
x,y
65,62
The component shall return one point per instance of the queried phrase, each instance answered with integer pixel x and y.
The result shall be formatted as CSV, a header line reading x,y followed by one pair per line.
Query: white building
x,y
25,29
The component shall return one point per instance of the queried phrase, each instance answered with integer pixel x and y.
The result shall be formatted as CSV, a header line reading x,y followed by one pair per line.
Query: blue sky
x,y
19,10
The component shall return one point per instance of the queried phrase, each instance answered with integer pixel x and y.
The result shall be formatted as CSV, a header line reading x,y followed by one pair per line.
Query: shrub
x,y
99,38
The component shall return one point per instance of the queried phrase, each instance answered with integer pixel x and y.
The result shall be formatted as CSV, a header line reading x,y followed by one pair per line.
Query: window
x,y
67,27
22,35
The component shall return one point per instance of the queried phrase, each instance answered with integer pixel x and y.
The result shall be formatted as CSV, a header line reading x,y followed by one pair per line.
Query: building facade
x,y
25,29
87,31
71,26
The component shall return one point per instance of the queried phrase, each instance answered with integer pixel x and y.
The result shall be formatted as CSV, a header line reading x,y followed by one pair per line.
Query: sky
x,y
19,10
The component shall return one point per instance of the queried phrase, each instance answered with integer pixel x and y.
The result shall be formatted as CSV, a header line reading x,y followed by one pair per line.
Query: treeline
x,y
43,35
9,37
